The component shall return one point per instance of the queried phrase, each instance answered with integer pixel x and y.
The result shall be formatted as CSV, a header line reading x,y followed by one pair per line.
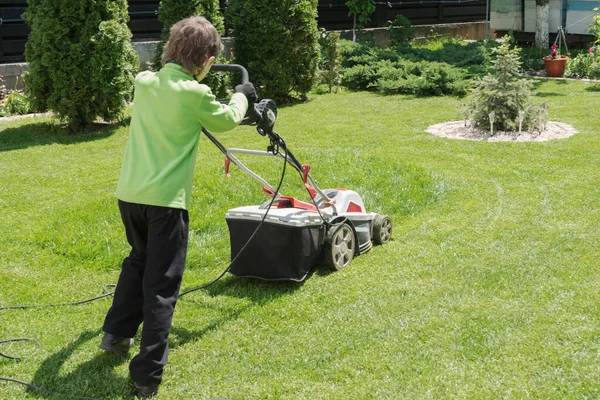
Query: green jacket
x,y
169,110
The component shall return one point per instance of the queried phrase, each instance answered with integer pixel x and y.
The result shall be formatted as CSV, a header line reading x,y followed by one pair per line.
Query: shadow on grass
x,y
91,378
549,94
593,88
257,291
46,133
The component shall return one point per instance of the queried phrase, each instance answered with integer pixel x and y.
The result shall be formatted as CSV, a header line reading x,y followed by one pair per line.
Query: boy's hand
x,y
247,89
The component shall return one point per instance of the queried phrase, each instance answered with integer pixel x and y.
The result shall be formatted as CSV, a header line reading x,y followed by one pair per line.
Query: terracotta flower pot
x,y
555,67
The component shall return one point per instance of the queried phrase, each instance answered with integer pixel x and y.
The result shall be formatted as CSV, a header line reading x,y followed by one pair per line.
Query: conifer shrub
x,y
504,92
389,72
277,42
81,61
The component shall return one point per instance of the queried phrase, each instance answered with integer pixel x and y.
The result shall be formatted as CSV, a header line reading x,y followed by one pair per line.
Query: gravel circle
x,y
458,130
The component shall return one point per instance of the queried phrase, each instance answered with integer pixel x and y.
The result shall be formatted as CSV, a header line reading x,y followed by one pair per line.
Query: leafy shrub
x,y
584,65
503,92
17,104
277,42
400,31
330,65
81,61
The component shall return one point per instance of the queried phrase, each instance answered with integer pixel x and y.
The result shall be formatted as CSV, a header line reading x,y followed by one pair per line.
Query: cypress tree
x,y
81,61
277,42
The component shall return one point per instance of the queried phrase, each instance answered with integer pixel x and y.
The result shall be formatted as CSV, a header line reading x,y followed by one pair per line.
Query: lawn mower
x,y
284,238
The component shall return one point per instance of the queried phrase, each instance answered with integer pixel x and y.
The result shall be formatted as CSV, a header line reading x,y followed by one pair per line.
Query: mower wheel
x,y
340,247
382,229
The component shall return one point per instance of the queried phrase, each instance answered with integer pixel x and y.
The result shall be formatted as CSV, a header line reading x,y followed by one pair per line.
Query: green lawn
x,y
490,287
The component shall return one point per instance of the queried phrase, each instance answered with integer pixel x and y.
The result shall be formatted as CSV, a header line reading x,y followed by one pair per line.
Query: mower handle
x,y
232,68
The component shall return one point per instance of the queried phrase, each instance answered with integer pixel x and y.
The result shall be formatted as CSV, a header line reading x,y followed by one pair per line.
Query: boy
x,y
170,108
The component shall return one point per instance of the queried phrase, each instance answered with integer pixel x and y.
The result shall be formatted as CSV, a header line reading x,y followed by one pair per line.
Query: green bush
x,y
277,42
503,92
81,61
401,31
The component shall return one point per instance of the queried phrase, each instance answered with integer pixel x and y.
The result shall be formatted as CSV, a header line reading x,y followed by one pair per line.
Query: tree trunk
x,y
542,12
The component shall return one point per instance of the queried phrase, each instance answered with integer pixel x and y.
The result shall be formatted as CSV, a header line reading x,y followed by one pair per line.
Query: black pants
x,y
149,284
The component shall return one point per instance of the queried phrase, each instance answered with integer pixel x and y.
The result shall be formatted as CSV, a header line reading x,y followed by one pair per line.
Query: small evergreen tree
x,y
401,31
277,42
331,60
81,61
504,92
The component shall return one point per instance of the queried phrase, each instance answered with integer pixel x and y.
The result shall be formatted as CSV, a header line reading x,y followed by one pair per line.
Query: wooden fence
x,y
332,15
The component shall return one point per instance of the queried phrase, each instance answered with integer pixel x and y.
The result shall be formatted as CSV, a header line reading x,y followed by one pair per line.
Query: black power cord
x,y
5,355
72,303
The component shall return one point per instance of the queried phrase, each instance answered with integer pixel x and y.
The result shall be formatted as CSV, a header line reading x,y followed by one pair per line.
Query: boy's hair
x,y
191,42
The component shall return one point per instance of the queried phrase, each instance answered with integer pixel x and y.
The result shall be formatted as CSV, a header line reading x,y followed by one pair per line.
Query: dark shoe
x,y
116,344
145,392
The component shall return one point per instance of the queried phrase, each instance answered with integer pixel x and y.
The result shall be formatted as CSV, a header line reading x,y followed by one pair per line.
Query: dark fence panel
x,y
143,19
13,31
143,22
332,15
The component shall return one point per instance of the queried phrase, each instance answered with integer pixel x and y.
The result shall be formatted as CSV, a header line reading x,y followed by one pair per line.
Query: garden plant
x,y
503,97
81,60
587,64
400,31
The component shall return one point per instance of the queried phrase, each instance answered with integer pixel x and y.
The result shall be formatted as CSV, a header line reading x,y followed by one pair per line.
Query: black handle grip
x,y
232,68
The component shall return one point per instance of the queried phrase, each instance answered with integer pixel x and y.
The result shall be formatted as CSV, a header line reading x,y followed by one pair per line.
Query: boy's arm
x,y
217,117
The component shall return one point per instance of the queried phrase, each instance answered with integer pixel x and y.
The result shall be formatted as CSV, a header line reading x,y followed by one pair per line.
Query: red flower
x,y
554,46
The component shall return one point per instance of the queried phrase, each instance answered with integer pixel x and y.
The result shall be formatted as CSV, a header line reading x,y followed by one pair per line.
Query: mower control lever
x,y
263,113
232,68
